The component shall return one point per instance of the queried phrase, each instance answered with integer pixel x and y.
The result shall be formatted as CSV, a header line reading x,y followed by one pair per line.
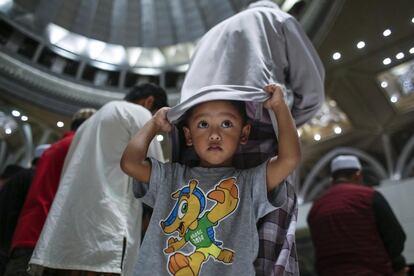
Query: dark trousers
x,y
18,262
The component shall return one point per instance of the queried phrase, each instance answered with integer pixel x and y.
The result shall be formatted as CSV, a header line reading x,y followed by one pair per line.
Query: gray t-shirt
x,y
204,220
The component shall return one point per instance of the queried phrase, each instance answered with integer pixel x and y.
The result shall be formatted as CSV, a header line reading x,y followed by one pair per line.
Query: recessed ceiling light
x,y
317,137
15,113
24,118
360,44
384,84
338,130
336,56
387,32
386,61
412,20
394,99
8,131
60,124
400,55
160,138
411,50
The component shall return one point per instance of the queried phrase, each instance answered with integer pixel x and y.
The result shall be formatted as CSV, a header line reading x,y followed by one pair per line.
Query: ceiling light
x,y
24,118
15,113
412,20
400,55
56,33
338,130
317,137
133,55
394,99
60,124
384,84
411,50
95,48
387,32
4,3
360,44
336,56
8,131
160,138
386,61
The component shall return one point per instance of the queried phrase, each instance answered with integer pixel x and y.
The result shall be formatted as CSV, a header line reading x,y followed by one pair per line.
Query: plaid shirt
x,y
277,246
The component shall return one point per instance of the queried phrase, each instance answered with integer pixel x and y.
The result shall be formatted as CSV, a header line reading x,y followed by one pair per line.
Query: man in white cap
x,y
353,228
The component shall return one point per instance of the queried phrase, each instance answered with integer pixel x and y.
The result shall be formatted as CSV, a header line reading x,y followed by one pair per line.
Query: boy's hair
x,y
240,106
145,90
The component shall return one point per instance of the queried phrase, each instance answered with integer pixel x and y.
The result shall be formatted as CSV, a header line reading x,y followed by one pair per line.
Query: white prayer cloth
x,y
94,208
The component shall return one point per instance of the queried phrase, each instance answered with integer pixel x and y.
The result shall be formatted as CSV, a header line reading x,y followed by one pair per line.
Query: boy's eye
x,y
227,124
202,124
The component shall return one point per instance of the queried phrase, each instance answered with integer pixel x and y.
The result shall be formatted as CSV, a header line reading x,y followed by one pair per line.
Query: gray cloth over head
x,y
256,47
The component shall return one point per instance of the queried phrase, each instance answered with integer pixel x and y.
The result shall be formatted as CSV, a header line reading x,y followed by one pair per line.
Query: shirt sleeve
x,y
305,72
390,231
257,178
148,192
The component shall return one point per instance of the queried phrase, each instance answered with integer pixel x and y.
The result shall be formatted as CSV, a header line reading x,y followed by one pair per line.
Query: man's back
x,y
345,235
41,194
94,209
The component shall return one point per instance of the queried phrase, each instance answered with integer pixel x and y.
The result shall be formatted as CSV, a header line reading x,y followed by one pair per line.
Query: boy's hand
x,y
161,121
276,96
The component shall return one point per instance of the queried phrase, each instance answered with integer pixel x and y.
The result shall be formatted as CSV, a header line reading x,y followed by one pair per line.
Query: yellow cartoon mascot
x,y
194,226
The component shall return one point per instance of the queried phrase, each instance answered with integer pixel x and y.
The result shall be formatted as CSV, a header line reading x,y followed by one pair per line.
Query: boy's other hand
x,y
276,96
161,121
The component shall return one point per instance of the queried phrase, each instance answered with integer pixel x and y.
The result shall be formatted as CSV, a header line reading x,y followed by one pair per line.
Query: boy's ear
x,y
187,135
244,137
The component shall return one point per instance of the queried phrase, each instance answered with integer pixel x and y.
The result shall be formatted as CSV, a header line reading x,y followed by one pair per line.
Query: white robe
x,y
94,208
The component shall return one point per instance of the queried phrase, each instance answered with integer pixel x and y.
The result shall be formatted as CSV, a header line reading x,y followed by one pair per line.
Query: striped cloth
x,y
277,247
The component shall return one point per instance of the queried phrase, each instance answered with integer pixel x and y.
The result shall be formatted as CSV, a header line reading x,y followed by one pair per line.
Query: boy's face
x,y
215,129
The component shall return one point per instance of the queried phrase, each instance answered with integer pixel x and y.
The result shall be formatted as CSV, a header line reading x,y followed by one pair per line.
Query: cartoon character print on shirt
x,y
197,227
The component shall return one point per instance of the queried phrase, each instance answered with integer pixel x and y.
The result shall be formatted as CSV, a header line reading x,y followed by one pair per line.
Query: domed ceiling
x,y
59,55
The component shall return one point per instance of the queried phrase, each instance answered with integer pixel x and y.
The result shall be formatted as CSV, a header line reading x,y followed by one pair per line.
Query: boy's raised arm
x,y
133,161
279,167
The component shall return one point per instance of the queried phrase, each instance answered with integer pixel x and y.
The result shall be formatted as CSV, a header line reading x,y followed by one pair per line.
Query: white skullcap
x,y
40,149
344,162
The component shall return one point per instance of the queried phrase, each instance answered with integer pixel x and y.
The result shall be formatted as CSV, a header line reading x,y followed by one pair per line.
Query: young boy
x,y
204,219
